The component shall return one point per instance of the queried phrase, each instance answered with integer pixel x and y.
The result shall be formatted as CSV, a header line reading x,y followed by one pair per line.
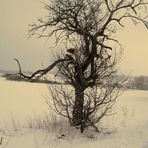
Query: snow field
x,y
23,108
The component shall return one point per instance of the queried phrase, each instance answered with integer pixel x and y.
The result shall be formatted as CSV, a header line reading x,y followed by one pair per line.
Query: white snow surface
x,y
19,101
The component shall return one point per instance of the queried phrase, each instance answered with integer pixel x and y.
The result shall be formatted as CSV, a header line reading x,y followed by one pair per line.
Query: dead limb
x,y
39,73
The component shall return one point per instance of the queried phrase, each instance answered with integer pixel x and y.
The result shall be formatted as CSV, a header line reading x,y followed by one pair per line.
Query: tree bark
x,y
78,107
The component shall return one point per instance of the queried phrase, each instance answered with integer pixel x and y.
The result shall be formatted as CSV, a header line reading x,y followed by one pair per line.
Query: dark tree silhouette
x,y
85,28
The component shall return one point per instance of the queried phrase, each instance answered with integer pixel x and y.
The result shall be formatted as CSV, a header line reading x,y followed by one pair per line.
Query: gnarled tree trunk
x,y
78,107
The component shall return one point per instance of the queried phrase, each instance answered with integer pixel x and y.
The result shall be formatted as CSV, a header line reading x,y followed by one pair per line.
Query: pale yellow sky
x,y
15,15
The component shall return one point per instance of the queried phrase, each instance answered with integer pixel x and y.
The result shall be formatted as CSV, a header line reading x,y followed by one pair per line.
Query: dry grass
x,y
58,126
51,123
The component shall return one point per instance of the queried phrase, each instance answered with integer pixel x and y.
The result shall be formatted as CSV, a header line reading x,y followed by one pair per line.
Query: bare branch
x,y
39,73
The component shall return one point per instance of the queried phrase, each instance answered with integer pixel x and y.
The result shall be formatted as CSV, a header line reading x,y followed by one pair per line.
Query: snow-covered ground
x,y
20,101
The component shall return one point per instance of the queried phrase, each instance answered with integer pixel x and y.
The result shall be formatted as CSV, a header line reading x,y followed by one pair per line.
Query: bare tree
x,y
85,29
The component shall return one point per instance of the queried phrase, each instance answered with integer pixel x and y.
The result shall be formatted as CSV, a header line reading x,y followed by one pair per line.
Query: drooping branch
x,y
39,73
20,70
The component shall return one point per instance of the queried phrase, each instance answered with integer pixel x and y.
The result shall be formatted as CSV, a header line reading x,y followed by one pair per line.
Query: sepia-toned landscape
x,y
73,73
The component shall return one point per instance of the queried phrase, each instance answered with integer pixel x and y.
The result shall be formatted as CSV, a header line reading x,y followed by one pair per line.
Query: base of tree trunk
x,y
78,117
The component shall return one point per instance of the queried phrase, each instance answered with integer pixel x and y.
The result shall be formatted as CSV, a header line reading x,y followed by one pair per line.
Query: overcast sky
x,y
15,15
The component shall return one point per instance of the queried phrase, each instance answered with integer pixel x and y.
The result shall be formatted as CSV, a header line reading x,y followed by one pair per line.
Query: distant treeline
x,y
135,82
17,77
139,82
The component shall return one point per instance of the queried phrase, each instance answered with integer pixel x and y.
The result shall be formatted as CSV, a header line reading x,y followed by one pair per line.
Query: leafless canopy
x,y
92,21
